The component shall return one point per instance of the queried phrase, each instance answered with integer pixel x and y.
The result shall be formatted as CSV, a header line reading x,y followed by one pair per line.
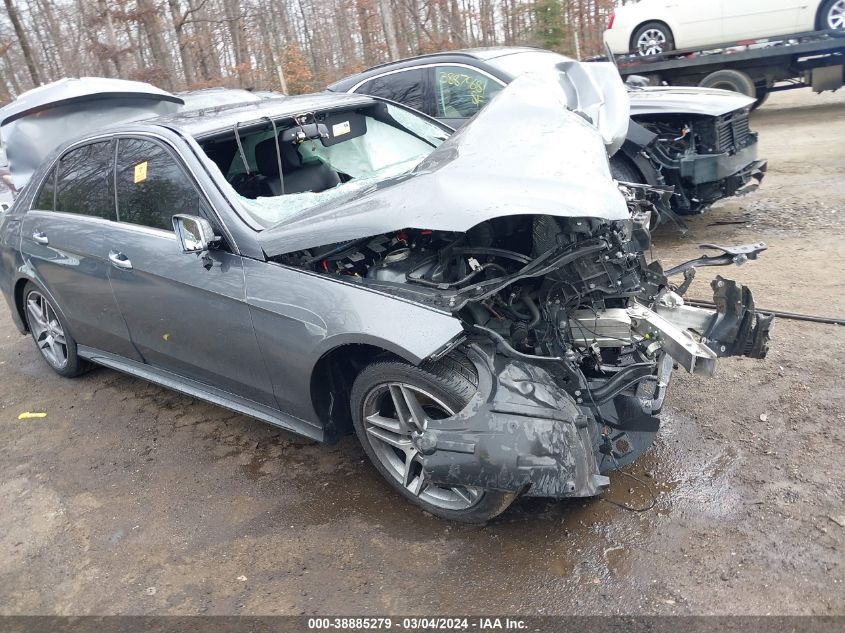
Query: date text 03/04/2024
x,y
417,623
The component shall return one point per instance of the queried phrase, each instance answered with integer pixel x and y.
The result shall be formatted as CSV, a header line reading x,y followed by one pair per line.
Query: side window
x,y
461,92
151,186
84,183
407,87
44,200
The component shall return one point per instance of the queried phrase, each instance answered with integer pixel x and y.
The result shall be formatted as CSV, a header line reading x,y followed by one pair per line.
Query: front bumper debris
x,y
521,433
699,169
524,433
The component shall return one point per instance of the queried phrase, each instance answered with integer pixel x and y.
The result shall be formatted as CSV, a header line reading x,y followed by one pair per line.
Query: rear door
x,y
751,19
693,22
62,242
183,317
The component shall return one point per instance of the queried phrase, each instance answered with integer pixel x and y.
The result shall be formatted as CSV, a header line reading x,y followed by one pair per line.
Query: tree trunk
x,y
389,29
148,16
184,50
240,49
28,57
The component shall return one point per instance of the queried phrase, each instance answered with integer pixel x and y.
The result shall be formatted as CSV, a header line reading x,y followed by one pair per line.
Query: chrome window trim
x,y
96,220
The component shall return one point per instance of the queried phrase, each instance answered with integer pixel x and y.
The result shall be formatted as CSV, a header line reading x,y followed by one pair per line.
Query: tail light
x,y
612,18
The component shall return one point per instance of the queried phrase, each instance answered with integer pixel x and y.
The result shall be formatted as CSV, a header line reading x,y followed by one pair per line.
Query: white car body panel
x,y
697,23
681,100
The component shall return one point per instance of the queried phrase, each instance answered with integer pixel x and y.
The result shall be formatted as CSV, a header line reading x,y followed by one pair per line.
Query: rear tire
x,y
652,38
762,97
441,389
50,332
734,80
832,16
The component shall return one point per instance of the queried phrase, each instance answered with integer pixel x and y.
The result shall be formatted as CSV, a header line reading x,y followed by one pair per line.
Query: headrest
x,y
265,157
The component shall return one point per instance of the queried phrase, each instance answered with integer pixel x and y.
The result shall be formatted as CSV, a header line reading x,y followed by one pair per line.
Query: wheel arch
x,y
332,377
17,295
636,156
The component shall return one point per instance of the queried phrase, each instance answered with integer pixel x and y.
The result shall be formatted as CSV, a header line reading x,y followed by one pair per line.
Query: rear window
x,y
84,183
408,87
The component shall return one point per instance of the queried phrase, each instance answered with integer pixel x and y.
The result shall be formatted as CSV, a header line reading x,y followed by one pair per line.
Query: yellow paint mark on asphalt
x,y
28,415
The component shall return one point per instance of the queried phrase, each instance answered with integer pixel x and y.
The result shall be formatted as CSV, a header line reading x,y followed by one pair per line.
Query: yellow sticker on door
x,y
140,172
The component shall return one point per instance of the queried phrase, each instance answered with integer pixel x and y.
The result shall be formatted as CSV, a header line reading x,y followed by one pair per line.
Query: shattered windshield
x,y
276,169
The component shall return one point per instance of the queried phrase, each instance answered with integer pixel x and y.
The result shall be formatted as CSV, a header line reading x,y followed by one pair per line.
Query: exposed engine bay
x,y
576,331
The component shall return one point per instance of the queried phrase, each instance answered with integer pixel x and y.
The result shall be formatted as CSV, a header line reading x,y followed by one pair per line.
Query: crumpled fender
x,y
520,433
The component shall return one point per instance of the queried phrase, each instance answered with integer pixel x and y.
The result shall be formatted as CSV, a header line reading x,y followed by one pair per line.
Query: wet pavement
x,y
128,498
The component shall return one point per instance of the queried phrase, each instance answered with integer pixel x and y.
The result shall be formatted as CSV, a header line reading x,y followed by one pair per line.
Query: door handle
x,y
40,238
120,260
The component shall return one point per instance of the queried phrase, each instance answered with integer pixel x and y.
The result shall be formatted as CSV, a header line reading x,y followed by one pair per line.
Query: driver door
x,y
182,317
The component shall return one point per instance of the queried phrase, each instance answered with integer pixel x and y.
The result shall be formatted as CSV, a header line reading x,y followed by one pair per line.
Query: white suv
x,y
650,27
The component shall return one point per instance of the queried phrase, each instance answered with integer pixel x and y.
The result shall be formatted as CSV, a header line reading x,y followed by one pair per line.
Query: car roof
x,y
481,54
206,121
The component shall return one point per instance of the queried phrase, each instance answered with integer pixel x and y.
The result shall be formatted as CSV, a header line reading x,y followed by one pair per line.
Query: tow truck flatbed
x,y
753,67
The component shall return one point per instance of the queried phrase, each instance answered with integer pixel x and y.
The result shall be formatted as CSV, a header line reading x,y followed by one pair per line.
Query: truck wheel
x,y
652,38
734,80
390,400
832,15
762,97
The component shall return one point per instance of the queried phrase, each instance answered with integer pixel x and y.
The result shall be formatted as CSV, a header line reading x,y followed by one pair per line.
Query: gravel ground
x,y
128,498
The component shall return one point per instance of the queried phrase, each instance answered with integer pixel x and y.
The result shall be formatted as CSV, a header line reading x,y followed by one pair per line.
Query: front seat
x,y
299,176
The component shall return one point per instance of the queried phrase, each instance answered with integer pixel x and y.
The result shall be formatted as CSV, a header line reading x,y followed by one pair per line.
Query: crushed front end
x,y
573,336
569,396
706,158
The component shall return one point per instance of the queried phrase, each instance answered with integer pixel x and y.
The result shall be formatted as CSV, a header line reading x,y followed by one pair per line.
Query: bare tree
x,y
267,43
23,41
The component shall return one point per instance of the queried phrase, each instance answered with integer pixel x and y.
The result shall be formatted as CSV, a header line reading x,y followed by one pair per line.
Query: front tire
x,y
623,171
50,333
391,400
652,38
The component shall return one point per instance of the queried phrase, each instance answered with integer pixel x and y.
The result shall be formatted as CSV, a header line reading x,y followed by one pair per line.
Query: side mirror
x,y
4,206
194,233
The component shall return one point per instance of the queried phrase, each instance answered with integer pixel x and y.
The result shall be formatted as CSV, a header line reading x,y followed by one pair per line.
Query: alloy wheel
x,y
836,16
46,329
652,42
394,414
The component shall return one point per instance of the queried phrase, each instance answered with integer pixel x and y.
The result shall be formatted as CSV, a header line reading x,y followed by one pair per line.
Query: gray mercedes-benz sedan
x,y
477,307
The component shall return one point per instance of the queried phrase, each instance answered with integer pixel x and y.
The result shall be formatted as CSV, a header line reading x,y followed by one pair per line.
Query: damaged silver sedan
x,y
476,307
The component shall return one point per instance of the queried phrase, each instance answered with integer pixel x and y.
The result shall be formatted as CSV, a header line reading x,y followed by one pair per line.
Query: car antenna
x,y
241,147
278,155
